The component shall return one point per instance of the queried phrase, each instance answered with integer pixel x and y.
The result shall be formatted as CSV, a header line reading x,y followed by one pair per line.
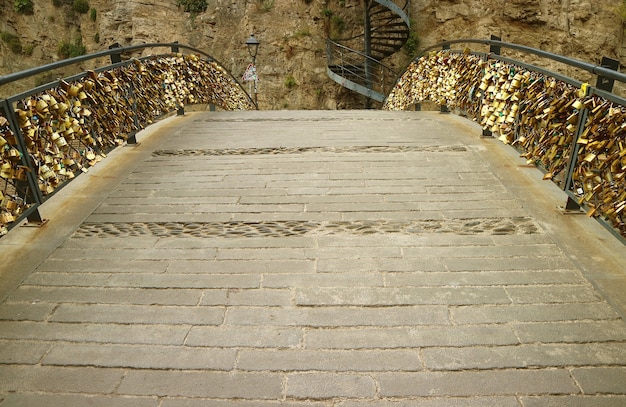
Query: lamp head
x,y
253,45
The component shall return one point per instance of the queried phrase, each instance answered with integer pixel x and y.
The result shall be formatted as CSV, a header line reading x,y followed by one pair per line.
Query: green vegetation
x,y
192,6
303,32
622,10
96,38
81,6
72,49
61,3
28,49
93,14
290,82
337,25
12,41
412,44
334,23
23,6
267,5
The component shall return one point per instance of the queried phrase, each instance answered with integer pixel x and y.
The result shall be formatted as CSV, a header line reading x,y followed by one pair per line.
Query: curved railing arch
x,y
573,131
52,133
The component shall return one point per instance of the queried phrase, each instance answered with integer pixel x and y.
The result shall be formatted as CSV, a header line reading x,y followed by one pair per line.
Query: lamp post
x,y
253,47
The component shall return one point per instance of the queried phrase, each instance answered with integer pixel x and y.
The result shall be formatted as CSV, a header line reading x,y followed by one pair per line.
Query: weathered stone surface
x,y
293,35
350,314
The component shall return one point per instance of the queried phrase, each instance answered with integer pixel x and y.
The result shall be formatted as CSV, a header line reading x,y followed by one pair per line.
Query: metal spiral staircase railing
x,y
386,30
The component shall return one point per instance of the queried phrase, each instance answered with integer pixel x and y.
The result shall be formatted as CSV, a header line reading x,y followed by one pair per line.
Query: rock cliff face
x,y
582,29
292,58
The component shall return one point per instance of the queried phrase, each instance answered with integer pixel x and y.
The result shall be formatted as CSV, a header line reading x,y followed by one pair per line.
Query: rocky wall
x,y
292,60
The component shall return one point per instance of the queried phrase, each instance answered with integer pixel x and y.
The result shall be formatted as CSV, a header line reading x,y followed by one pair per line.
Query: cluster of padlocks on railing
x,y
577,138
12,173
55,134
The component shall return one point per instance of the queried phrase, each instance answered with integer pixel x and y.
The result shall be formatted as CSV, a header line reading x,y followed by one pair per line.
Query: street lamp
x,y
253,48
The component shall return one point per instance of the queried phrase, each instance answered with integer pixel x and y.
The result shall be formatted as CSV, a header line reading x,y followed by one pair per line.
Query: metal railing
x,y
574,132
359,72
51,134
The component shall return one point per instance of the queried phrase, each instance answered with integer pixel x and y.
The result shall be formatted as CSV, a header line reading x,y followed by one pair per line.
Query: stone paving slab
x,y
312,259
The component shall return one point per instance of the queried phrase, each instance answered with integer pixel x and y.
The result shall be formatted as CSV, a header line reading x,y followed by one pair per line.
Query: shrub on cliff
x,y
12,41
81,6
192,6
71,50
23,6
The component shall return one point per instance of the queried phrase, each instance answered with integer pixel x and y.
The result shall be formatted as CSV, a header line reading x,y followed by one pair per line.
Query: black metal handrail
x,y
54,132
83,58
573,131
174,46
349,65
576,63
400,11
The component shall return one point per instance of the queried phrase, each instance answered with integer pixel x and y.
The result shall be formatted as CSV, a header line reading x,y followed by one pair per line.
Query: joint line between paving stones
x,y
200,299
451,319
235,366
377,386
184,341
571,375
420,355
119,383
45,354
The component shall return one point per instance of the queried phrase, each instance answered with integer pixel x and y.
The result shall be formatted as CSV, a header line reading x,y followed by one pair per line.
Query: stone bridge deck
x,y
314,258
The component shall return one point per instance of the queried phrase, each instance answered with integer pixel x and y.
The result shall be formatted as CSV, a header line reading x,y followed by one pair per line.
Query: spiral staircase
x,y
386,30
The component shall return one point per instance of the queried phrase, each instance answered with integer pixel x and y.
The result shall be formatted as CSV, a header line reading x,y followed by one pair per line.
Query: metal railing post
x,y
568,183
342,62
444,108
132,139
367,40
603,82
117,57
495,49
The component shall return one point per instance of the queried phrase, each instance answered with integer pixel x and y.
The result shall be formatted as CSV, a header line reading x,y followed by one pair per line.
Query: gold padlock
x,y
14,154
11,205
6,218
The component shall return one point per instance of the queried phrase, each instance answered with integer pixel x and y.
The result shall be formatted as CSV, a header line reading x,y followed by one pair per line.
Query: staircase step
x,y
386,45
388,41
403,32
390,24
385,18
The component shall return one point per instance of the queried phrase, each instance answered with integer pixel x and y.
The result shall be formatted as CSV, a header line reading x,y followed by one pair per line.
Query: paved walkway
x,y
314,258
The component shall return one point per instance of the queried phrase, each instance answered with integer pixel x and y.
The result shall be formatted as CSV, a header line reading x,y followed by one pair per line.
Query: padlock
x,y
6,218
